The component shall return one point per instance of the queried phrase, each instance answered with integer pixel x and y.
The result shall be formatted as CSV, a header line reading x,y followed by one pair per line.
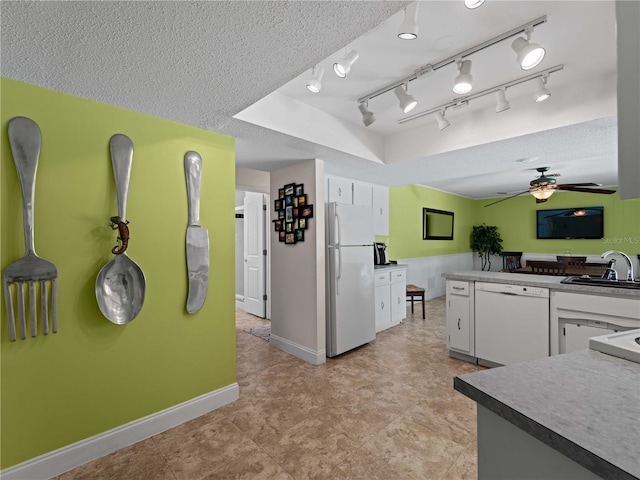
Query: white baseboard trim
x,y
67,458
304,353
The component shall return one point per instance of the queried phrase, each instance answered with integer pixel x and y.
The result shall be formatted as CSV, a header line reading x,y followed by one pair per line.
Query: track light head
x,y
464,81
528,54
407,102
343,66
442,122
471,4
409,28
314,85
368,117
541,92
502,104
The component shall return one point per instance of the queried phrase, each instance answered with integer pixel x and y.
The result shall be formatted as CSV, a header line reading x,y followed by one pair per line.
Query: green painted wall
x,y
93,375
515,219
405,222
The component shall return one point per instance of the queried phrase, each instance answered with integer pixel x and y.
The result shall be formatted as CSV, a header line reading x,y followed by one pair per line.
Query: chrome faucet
x,y
626,258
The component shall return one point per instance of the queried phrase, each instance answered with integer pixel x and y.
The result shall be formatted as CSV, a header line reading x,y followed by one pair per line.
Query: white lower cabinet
x,y
460,317
390,297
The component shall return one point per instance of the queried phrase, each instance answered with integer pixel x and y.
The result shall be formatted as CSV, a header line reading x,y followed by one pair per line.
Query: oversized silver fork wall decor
x,y
25,141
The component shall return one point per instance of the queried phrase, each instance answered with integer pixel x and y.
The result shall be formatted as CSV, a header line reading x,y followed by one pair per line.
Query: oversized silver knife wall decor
x,y
197,237
25,140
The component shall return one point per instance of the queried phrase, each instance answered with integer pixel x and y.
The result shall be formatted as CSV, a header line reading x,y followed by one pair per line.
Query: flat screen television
x,y
570,223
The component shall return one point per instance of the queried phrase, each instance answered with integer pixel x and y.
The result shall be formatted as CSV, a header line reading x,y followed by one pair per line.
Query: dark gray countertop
x,y
585,404
545,281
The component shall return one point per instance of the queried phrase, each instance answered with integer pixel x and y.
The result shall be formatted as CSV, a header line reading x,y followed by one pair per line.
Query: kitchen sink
x,y
601,282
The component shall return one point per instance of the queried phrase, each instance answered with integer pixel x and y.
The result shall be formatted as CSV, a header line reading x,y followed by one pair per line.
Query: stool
x,y
413,292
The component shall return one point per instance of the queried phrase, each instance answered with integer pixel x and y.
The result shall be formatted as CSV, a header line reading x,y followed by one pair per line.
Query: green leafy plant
x,y
485,239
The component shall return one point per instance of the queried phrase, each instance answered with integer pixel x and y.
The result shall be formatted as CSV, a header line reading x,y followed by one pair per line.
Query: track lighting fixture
x,y
528,54
463,82
343,66
409,28
471,4
540,79
442,122
502,104
314,85
368,117
541,93
407,102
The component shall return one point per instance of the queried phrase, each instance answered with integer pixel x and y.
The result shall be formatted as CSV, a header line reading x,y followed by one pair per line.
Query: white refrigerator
x,y
350,299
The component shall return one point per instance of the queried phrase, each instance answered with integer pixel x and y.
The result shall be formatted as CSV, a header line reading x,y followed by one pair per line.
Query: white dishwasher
x,y
512,323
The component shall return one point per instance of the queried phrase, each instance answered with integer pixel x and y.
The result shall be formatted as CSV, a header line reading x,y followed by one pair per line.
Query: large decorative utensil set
x,y
120,285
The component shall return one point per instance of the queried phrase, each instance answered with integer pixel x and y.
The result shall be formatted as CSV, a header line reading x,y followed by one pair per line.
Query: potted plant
x,y
485,239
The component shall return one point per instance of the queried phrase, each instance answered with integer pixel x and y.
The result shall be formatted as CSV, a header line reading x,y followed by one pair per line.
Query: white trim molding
x,y
67,458
304,353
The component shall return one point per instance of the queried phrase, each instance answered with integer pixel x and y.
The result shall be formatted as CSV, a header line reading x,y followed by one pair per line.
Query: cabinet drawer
x,y
398,276
458,288
382,278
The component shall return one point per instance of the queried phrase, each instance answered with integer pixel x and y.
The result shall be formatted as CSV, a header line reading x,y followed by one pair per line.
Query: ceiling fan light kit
x,y
545,185
409,28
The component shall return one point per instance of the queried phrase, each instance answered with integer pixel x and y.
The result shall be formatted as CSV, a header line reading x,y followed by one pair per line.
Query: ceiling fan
x,y
545,185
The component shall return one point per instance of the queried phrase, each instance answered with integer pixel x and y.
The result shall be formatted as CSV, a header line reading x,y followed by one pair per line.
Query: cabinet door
x,y
383,307
340,190
362,193
458,323
398,302
380,202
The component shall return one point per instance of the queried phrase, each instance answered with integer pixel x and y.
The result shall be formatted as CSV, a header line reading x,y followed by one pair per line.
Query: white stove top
x,y
622,344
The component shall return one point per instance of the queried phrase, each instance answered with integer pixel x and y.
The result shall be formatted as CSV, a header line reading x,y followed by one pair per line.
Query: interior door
x,y
254,254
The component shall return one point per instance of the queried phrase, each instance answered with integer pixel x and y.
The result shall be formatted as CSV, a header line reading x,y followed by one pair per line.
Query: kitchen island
x,y
567,416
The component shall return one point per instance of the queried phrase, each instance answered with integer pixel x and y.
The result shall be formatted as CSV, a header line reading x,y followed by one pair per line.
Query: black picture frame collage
x,y
292,213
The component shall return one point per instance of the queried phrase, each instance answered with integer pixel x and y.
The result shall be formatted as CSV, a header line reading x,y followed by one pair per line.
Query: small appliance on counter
x,y
380,254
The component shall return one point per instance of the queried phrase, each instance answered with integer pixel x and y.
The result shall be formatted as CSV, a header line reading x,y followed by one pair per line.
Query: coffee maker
x,y
380,254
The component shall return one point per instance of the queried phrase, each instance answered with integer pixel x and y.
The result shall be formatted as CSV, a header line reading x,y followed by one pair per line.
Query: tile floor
x,y
384,411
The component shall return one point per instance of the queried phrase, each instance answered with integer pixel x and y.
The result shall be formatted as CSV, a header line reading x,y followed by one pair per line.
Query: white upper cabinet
x,y
380,202
362,193
339,190
355,192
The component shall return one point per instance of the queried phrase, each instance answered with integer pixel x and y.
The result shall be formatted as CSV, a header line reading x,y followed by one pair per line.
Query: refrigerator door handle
x,y
339,275
337,224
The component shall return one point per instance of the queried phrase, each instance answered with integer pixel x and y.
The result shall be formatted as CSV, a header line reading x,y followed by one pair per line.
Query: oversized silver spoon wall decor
x,y
120,286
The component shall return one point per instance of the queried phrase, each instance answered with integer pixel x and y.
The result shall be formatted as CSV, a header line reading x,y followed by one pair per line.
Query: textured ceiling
x,y
201,63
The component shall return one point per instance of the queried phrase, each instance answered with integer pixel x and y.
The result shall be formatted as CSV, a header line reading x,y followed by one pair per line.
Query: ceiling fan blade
x,y
589,184
585,190
503,199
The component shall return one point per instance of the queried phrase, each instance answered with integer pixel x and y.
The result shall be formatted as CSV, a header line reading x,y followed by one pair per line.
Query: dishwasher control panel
x,y
509,289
